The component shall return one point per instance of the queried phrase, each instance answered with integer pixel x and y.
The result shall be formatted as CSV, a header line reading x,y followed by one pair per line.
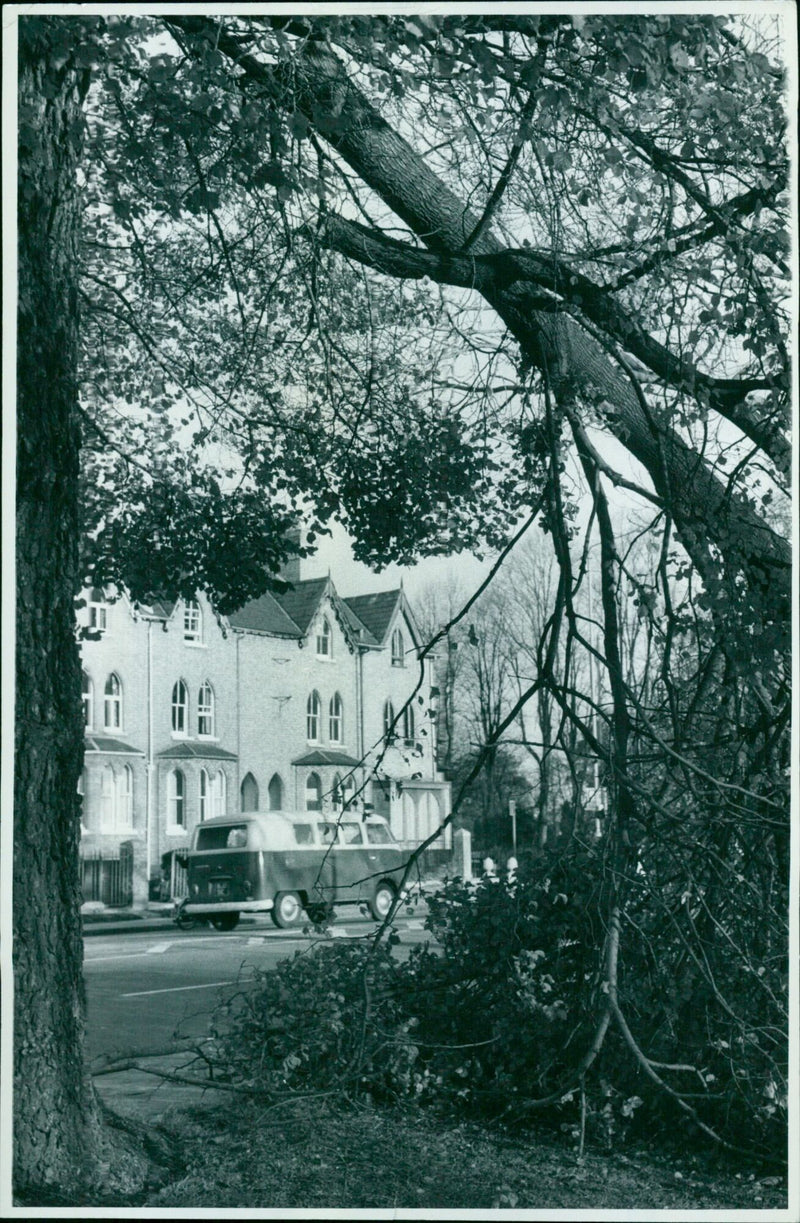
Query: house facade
x,y
299,701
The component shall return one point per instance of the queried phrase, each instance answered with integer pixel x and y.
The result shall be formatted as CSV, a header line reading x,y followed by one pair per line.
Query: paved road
x,y
147,992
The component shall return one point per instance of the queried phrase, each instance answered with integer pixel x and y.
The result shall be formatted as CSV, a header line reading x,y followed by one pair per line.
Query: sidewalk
x,y
158,917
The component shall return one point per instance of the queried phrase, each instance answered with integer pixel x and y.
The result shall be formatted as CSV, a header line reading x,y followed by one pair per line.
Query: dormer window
x,y
325,639
398,649
98,609
192,621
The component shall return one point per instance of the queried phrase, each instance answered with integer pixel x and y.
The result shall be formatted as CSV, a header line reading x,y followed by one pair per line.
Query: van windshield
x,y
379,834
222,838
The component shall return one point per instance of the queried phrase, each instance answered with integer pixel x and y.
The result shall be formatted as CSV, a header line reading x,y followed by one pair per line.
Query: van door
x,y
354,880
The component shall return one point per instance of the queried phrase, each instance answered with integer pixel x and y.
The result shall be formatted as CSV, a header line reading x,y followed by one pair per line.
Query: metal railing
x,y
107,876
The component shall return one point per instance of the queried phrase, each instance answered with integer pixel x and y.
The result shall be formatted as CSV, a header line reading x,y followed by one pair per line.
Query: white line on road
x,y
158,948
176,989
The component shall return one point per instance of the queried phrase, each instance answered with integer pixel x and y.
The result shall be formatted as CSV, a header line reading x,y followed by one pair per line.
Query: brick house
x,y
297,701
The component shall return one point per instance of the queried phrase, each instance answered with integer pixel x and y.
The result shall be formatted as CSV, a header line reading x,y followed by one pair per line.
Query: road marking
x,y
256,942
177,989
158,948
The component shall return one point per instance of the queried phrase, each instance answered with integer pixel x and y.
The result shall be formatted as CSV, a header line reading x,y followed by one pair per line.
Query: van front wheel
x,y
287,909
382,900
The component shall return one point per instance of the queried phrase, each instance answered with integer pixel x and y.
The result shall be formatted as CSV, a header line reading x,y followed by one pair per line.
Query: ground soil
x,y
316,1156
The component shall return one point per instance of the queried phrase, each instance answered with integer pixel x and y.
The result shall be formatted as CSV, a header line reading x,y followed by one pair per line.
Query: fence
x,y
108,877
174,885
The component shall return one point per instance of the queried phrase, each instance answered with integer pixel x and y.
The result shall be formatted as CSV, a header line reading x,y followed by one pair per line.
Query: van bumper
x,y
230,906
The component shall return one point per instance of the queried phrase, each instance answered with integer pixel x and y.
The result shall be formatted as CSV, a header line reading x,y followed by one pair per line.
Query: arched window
x,y
348,788
219,793
192,621
336,720
336,792
313,792
313,715
325,639
408,724
123,815
180,708
112,704
388,719
205,710
398,649
249,793
107,799
204,795
87,696
275,792
176,798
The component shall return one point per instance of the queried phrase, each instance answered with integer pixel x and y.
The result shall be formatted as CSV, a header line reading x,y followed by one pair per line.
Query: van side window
x,y
379,834
351,834
327,833
303,834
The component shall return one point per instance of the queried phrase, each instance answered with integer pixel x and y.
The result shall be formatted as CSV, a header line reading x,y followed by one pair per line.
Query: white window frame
x,y
108,783
398,649
112,703
388,719
206,712
203,787
325,640
218,793
313,717
192,622
123,799
98,615
87,699
179,706
336,719
176,800
409,725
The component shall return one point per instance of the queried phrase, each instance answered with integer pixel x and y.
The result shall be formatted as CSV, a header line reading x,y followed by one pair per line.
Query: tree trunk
x,y
59,1142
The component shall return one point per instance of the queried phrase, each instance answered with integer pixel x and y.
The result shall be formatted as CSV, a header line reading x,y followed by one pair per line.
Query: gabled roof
x,y
301,602
264,615
320,756
356,626
375,611
196,751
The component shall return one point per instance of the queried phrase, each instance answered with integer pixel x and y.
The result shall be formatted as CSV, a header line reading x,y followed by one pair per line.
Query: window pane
x,y
351,834
378,834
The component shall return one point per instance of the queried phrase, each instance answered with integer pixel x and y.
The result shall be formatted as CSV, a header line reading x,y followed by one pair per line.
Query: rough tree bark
x,y
59,1140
